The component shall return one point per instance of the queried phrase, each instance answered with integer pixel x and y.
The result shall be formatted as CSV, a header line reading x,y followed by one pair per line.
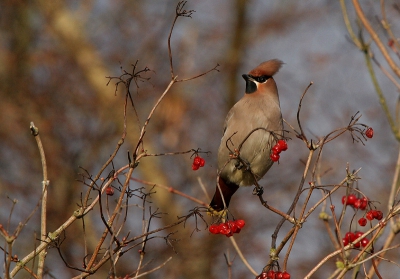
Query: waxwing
x,y
252,127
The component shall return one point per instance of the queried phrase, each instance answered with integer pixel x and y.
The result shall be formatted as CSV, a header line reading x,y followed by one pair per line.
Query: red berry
x,y
197,160
370,215
109,191
278,275
345,241
357,235
378,215
364,203
351,199
240,223
195,167
285,275
357,203
274,157
282,144
214,229
276,149
225,231
369,133
349,236
362,221
263,275
364,242
222,228
271,274
202,162
234,227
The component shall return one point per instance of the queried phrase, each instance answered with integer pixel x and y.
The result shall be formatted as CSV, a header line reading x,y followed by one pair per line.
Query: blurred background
x,y
54,60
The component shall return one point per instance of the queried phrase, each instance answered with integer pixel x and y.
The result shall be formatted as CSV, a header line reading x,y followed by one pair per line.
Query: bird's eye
x,y
261,79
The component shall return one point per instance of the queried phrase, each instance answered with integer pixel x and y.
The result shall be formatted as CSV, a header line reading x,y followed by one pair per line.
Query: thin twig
x,y
203,188
143,131
179,11
229,264
395,186
292,206
351,245
169,189
200,75
386,25
45,184
241,256
348,25
154,269
375,38
111,220
382,99
302,135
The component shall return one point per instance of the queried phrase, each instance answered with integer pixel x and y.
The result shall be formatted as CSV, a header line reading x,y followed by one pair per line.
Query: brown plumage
x,y
258,108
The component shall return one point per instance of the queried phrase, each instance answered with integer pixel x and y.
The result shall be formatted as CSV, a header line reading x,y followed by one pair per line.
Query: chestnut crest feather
x,y
267,68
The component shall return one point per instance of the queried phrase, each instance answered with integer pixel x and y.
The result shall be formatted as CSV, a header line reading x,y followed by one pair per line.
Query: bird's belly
x,y
255,156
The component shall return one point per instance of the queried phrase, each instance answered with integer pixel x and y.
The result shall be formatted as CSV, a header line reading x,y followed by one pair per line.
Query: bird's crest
x,y
267,68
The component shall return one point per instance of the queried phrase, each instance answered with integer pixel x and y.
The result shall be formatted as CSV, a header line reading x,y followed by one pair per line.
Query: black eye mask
x,y
251,86
260,79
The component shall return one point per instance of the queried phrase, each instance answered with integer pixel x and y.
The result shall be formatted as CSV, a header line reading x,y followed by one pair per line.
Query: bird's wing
x,y
227,118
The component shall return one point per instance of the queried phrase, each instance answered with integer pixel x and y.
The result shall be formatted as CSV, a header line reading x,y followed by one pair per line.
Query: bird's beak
x,y
251,86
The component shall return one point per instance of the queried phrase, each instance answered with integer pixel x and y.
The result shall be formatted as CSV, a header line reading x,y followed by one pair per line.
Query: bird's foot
x,y
214,213
242,164
258,191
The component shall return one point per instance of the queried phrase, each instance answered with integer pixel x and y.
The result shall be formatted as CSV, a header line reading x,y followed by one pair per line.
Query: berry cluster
x,y
274,275
371,215
374,214
228,228
362,204
281,145
198,162
350,237
355,202
369,133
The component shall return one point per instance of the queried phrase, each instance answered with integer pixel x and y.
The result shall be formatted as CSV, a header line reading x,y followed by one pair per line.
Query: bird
x,y
252,126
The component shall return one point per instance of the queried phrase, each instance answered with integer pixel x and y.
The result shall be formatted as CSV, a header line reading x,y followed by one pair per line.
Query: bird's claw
x,y
258,191
241,163
214,213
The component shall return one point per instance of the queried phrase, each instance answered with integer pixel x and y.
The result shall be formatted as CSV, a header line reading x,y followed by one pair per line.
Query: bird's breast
x,y
248,134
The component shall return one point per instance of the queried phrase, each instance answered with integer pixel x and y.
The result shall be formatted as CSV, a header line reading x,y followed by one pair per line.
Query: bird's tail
x,y
223,193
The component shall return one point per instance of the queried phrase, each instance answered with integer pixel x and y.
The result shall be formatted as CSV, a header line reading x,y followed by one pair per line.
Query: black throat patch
x,y
251,86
